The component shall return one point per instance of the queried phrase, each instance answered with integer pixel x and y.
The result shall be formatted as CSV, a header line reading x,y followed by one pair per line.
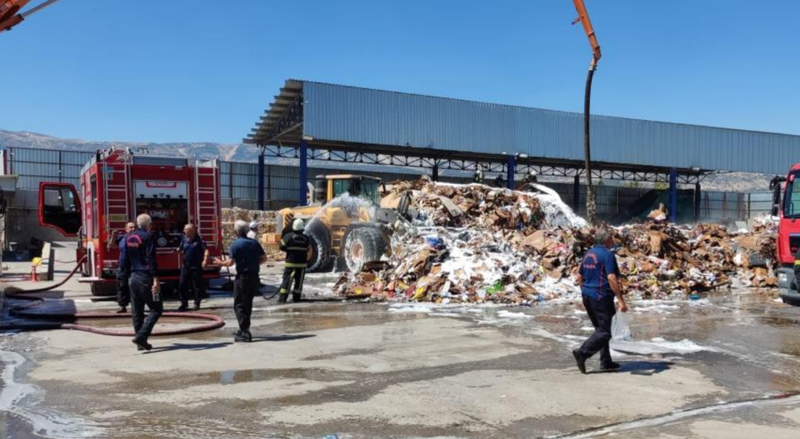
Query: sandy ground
x,y
410,371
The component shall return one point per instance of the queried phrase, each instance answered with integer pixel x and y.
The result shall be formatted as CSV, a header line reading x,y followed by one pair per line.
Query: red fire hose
x,y
213,322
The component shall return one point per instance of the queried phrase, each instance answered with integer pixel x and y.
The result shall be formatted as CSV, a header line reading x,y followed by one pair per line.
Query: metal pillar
x,y
673,195
260,182
511,169
303,173
697,201
576,193
435,171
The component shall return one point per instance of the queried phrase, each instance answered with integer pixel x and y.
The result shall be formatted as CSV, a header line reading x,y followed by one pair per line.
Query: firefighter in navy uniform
x,y
247,255
123,292
138,265
296,245
195,258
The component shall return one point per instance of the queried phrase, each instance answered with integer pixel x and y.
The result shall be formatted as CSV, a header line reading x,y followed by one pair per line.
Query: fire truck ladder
x,y
116,191
207,201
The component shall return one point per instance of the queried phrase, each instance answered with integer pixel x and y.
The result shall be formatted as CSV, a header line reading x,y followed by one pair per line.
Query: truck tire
x,y
320,238
362,245
103,289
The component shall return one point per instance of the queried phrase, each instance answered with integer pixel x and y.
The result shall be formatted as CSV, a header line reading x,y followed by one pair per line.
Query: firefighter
x,y
247,255
531,178
123,292
478,177
296,245
253,233
500,181
138,264
195,258
598,278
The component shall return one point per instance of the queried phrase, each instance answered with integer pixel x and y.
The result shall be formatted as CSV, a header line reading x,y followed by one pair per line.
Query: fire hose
x,y
213,322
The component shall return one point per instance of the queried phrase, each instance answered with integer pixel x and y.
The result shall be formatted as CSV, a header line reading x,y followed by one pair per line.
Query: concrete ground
x,y
359,370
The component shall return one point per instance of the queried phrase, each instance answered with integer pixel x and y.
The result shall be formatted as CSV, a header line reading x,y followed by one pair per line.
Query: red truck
x,y
786,206
116,186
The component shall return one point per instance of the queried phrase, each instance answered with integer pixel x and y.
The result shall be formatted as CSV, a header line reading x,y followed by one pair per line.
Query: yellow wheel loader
x,y
343,221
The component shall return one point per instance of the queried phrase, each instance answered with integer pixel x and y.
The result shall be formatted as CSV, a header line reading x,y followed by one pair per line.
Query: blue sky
x,y
183,70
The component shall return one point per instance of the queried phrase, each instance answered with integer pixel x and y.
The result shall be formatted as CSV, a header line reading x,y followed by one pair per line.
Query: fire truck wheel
x,y
319,259
104,289
362,245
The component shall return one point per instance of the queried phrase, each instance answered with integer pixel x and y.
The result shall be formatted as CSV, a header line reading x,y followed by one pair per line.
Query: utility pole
x,y
583,17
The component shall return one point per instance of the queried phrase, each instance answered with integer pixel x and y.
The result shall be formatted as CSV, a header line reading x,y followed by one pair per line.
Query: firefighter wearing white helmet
x,y
296,245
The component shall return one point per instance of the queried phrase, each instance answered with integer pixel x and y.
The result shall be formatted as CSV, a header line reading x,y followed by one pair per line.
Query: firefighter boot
x,y
283,297
297,297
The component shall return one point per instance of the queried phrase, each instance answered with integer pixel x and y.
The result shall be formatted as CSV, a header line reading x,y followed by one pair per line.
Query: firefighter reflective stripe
x,y
302,249
282,242
797,262
283,291
294,265
299,290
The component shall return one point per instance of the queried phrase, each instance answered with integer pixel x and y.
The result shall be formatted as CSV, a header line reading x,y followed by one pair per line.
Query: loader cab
x,y
328,187
60,208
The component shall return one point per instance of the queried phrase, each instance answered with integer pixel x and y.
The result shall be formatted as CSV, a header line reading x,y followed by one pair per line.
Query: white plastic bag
x,y
620,328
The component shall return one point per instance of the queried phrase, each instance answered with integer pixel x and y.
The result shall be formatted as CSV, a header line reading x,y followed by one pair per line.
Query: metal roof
x,y
342,117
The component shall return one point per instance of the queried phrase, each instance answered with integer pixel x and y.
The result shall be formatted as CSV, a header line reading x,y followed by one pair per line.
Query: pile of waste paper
x,y
755,252
474,243
266,224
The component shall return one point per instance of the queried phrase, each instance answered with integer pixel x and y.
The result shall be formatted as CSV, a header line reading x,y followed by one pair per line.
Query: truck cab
x,y
786,206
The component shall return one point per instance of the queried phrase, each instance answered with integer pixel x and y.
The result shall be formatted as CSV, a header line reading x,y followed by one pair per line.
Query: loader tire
x,y
362,245
319,259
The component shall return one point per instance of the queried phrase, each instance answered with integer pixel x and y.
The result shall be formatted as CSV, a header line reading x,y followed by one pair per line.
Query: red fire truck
x,y
116,186
788,211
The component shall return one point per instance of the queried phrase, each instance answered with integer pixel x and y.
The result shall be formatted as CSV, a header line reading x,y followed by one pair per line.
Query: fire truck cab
x,y
114,188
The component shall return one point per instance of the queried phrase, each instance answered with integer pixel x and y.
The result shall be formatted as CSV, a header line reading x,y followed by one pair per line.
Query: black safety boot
x,y
196,306
283,297
183,308
142,345
242,337
122,310
580,360
609,366
297,297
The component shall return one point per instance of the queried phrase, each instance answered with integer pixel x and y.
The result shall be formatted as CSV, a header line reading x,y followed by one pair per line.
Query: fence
x,y
239,187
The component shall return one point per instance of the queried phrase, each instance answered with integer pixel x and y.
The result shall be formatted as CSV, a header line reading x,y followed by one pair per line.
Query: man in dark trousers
x,y
195,258
599,280
123,292
138,263
296,245
247,254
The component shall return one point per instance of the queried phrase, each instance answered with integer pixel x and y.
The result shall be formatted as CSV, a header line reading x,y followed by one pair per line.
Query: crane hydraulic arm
x,y
583,17
9,12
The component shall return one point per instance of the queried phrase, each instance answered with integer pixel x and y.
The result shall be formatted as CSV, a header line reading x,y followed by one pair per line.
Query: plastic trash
x,y
620,327
694,297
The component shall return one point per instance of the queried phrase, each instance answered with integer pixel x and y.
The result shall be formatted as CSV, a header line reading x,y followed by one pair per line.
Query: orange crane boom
x,y
583,17
9,16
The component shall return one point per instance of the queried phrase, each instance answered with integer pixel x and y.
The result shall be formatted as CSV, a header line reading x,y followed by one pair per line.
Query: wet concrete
x,y
394,371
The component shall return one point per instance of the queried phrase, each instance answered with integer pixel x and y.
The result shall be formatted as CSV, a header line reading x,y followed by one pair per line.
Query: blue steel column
x,y
673,195
260,181
303,173
512,172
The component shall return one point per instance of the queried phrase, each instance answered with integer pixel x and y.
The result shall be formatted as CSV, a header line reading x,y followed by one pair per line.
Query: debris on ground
x,y
474,243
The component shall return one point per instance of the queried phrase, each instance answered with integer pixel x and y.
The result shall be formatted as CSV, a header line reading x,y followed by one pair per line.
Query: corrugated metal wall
x,y
351,114
239,186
